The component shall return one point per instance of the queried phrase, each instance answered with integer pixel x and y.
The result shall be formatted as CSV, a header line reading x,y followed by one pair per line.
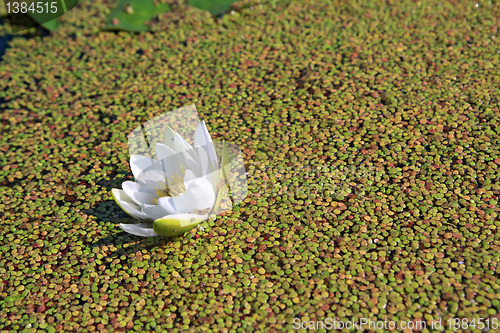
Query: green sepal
x,y
176,225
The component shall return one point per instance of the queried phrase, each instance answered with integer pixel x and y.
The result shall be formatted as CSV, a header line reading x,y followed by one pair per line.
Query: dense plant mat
x,y
370,132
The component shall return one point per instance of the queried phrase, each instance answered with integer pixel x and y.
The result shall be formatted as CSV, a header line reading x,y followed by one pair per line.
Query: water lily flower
x,y
184,185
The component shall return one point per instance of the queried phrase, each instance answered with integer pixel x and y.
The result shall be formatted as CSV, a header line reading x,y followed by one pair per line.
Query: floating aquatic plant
x,y
180,185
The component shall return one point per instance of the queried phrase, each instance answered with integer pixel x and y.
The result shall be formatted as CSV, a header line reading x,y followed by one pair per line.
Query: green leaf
x,y
132,15
47,18
50,25
213,6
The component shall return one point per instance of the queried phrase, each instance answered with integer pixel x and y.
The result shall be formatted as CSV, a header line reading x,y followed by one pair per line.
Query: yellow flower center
x,y
172,190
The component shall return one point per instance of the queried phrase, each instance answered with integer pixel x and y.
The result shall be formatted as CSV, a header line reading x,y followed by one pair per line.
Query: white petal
x,y
199,195
189,176
133,210
125,203
192,163
169,138
203,139
201,135
167,205
156,211
163,151
140,164
171,161
145,197
121,196
131,188
175,141
139,229
206,165
181,144
151,180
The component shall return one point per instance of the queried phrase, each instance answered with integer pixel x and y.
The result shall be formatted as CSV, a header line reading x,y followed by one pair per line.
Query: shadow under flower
x,y
125,243
122,243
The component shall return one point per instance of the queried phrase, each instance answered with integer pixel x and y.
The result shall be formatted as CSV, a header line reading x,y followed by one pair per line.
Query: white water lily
x,y
175,191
